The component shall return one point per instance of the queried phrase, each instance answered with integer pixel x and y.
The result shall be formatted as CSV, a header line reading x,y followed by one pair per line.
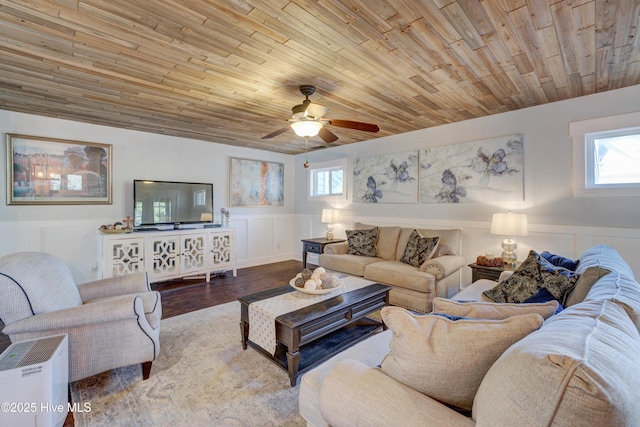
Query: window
x,y
327,180
162,211
606,156
613,159
199,198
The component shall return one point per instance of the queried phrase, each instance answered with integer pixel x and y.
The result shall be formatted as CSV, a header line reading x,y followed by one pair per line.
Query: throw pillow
x,y
543,296
362,242
493,310
586,280
387,243
445,359
560,261
419,249
532,275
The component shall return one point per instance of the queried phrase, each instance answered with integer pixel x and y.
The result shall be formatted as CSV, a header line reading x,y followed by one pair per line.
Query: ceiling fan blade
x,y
326,135
276,133
316,110
367,127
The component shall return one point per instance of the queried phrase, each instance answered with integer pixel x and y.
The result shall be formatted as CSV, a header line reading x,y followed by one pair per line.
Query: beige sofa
x,y
579,369
413,288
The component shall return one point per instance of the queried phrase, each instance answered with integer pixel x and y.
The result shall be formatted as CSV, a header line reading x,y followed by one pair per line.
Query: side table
x,y
315,246
490,273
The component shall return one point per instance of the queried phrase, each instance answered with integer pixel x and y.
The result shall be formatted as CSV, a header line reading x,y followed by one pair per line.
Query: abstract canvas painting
x,y
388,178
471,172
256,183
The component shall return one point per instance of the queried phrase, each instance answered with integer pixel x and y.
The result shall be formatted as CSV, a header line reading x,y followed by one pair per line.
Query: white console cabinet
x,y
169,254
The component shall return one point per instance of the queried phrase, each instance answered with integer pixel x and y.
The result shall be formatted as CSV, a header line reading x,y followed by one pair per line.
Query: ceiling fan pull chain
x,y
306,155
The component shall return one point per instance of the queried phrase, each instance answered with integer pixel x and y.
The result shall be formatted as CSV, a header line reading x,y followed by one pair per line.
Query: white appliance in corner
x,y
34,378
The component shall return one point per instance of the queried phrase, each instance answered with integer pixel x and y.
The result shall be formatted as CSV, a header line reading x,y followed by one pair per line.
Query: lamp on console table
x,y
510,225
329,216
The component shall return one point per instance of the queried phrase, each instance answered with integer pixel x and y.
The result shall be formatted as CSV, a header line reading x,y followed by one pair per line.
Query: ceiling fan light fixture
x,y
306,128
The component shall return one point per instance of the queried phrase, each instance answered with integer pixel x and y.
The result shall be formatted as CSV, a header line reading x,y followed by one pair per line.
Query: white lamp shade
x,y
329,216
509,224
306,127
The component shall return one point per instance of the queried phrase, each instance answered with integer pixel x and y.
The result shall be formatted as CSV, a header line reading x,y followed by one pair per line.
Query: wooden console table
x,y
168,254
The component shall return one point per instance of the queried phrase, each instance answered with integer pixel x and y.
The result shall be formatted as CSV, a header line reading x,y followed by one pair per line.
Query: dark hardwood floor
x,y
186,295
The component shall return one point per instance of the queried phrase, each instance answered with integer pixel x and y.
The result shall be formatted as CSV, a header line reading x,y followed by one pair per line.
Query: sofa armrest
x,y
104,312
336,248
113,286
356,394
443,266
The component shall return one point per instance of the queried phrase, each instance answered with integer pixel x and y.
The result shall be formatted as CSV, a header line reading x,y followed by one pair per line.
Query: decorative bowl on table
x,y
113,230
292,283
315,282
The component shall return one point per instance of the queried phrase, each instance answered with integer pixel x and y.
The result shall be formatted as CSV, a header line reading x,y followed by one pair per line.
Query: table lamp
x,y
510,225
329,216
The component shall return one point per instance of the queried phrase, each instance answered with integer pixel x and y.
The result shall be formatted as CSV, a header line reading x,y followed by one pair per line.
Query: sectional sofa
x,y
414,287
577,368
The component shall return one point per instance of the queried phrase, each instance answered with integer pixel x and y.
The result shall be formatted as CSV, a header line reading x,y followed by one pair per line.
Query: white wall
x,y
264,234
558,221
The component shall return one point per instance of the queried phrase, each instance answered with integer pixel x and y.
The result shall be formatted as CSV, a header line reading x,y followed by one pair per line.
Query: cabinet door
x,y
193,255
123,256
222,247
163,256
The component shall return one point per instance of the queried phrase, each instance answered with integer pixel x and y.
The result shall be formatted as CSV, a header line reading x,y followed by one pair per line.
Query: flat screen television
x,y
168,202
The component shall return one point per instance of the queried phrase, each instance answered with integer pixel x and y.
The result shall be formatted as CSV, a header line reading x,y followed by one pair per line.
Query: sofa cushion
x,y
362,242
532,275
345,263
447,359
606,257
493,310
401,275
368,352
419,249
387,239
621,289
580,369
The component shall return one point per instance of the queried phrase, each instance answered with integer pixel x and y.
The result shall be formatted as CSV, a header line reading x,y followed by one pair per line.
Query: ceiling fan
x,y
307,120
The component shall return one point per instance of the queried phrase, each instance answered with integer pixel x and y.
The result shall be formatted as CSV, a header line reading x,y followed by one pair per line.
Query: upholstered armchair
x,y
110,322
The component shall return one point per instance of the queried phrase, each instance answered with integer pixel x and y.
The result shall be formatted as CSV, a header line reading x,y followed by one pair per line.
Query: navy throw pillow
x,y
560,261
542,296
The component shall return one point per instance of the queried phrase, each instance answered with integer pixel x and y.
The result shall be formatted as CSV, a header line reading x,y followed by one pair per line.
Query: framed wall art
x,y
387,178
256,183
473,172
43,171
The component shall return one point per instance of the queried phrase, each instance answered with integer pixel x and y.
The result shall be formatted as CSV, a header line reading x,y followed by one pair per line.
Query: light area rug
x,y
202,377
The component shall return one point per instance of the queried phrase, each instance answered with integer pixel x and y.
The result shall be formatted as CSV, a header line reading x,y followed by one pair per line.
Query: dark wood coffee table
x,y
309,336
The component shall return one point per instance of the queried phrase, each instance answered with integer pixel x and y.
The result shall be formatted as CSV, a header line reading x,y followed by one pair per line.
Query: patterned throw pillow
x,y
419,249
534,274
362,242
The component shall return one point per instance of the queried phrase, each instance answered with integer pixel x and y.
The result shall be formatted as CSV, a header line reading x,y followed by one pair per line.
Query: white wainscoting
x,y
260,240
565,240
263,239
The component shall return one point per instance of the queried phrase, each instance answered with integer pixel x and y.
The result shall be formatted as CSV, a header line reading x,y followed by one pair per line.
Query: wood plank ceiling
x,y
229,71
